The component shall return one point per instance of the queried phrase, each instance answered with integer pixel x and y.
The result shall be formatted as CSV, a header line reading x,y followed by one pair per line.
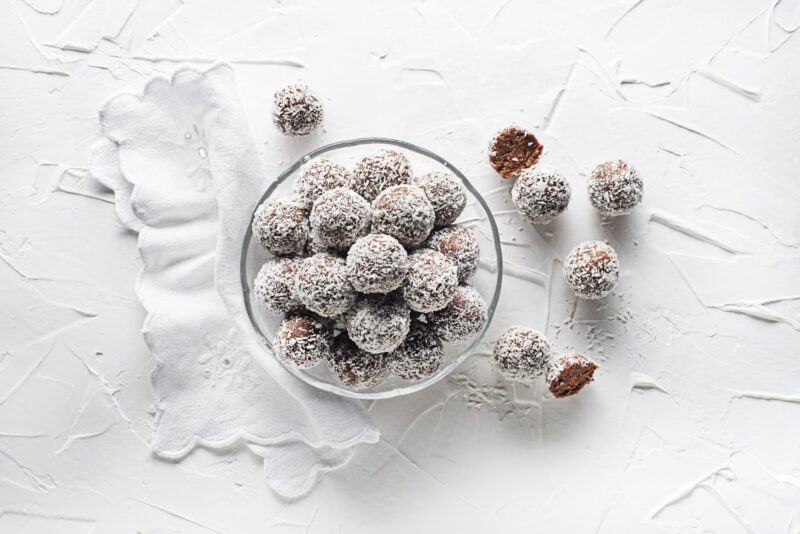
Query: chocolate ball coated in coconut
x,y
338,218
296,110
460,245
512,150
431,281
322,285
592,269
541,194
303,340
615,188
521,354
568,374
276,285
446,194
318,176
403,212
375,172
354,367
463,318
280,225
378,324
419,356
377,263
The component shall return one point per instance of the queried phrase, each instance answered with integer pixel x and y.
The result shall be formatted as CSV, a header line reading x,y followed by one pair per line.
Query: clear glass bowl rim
x,y
411,387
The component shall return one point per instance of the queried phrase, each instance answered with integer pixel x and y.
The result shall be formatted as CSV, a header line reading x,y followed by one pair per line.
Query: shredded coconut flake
x,y
541,194
376,172
318,176
460,245
521,354
445,193
377,263
296,110
280,226
615,188
354,367
276,285
419,356
303,340
338,218
431,281
322,285
378,324
404,212
592,269
463,318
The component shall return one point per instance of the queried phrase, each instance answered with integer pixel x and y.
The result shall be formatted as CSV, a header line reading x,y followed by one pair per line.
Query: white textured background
x,y
693,424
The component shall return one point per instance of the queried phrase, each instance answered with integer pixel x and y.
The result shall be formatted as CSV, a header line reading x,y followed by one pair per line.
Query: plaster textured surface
x,y
691,424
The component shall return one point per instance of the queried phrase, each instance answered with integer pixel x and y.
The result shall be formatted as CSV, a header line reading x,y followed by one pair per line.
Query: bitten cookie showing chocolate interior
x,y
513,150
569,373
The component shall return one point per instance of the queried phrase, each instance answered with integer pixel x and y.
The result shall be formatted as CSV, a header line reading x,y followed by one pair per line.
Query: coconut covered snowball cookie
x,y
322,285
375,172
303,340
276,285
445,193
541,194
354,367
521,354
419,356
463,317
377,263
568,374
431,281
592,269
615,188
405,213
318,176
339,217
280,225
460,245
512,150
296,110
378,324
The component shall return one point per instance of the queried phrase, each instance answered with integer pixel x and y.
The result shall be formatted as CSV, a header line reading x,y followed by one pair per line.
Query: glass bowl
x,y
487,280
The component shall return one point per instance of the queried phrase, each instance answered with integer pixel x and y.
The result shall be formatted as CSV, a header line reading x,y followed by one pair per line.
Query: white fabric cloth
x,y
185,173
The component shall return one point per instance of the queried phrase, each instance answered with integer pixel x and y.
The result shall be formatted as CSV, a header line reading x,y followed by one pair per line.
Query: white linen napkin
x,y
185,173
